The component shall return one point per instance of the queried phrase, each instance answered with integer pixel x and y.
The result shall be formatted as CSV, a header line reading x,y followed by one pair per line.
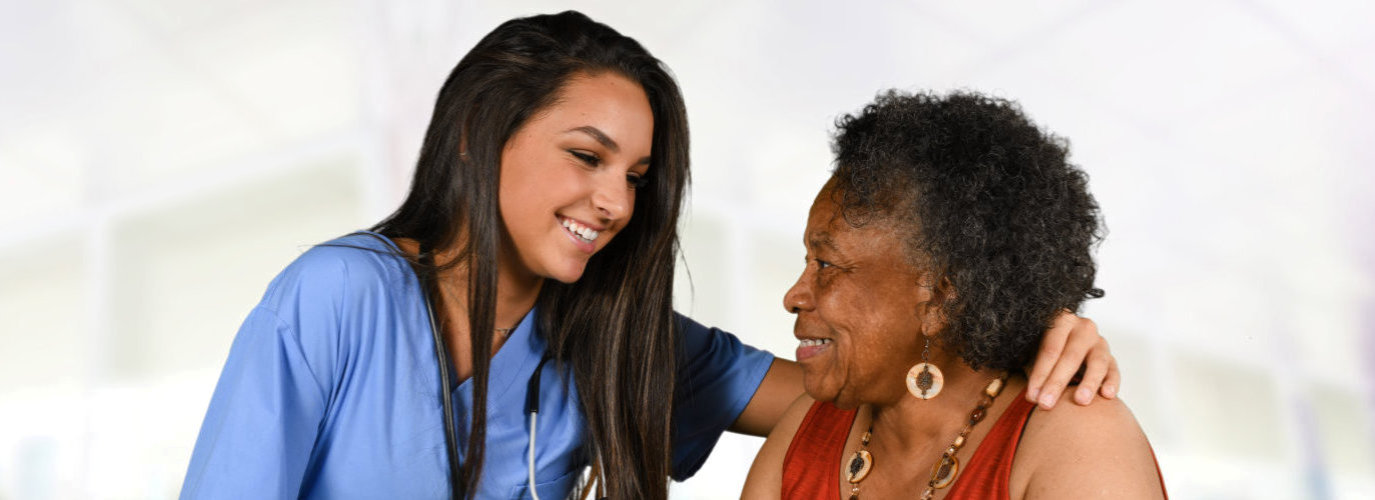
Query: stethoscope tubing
x,y
446,398
441,354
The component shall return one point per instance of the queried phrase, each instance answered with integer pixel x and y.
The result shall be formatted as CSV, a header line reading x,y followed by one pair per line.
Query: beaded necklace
x,y
946,468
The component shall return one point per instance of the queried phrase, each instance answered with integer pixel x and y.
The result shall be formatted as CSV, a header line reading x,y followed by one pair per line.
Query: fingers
x,y
1095,373
1061,374
1052,345
1112,382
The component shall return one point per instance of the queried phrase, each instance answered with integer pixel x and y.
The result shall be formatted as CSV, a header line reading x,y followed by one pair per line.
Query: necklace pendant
x,y
943,473
860,464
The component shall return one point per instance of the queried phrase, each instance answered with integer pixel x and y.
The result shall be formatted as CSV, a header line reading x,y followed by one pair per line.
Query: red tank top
x,y
811,467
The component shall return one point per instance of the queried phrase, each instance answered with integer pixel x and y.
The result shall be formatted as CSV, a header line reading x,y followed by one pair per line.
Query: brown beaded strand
x,y
945,470
947,467
860,463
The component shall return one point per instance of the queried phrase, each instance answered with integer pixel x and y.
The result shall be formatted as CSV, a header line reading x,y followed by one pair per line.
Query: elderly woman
x,y
951,233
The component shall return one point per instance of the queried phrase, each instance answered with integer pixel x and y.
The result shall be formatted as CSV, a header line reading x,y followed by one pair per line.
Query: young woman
x,y
541,225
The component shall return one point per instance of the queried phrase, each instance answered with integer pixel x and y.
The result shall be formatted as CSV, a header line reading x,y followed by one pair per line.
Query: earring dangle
x,y
924,380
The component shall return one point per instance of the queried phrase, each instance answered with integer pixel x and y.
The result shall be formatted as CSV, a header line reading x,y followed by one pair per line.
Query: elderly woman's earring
x,y
924,380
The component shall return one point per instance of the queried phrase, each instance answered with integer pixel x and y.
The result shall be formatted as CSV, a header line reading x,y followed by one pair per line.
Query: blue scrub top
x,y
330,391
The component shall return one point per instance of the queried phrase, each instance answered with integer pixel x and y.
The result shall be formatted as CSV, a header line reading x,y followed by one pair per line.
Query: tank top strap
x,y
989,471
811,468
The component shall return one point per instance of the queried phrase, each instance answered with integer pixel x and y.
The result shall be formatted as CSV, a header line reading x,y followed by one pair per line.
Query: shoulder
x,y
321,305
338,268
700,340
335,287
1093,451
706,354
357,257
792,420
766,475
1105,417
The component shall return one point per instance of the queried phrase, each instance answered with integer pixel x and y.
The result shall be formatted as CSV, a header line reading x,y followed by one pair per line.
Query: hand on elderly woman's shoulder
x,y
1072,348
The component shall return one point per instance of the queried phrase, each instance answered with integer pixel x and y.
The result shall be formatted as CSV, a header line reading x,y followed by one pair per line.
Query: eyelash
x,y
590,159
823,265
636,181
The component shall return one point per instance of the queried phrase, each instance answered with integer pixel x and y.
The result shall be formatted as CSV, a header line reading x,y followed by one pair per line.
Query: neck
x,y
516,292
516,295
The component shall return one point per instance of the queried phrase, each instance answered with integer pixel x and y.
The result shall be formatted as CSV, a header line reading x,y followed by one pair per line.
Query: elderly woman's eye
x,y
821,264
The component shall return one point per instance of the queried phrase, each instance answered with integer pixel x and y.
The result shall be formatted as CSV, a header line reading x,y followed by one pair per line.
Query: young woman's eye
x,y
588,158
636,181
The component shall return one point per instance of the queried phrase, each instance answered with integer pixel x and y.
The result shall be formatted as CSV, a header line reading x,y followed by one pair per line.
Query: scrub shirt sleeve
x,y
271,398
717,376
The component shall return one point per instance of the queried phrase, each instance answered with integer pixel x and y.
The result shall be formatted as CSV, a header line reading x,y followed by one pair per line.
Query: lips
x,y
808,348
583,235
581,230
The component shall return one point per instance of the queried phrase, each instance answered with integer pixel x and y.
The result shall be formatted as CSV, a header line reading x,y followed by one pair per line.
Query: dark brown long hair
x,y
615,326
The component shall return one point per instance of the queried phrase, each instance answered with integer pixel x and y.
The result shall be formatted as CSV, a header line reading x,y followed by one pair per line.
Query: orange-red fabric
x,y
810,467
989,471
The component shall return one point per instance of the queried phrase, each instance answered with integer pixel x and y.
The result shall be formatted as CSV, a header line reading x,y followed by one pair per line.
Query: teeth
x,y
815,342
580,230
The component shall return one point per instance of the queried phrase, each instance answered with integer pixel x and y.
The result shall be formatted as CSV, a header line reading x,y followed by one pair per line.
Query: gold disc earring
x,y
924,380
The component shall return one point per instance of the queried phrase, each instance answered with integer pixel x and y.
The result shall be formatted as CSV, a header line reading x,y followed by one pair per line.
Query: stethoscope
x,y
450,432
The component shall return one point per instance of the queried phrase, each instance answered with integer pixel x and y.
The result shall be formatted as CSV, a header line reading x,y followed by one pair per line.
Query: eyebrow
x,y
603,139
821,239
600,137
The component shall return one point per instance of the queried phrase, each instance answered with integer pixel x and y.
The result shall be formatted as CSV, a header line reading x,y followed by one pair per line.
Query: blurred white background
x,y
161,160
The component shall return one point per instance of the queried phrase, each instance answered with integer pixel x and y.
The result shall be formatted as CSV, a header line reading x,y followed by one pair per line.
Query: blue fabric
x,y
330,392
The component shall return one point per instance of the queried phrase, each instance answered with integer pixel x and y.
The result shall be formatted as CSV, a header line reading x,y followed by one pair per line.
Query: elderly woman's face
x,y
859,307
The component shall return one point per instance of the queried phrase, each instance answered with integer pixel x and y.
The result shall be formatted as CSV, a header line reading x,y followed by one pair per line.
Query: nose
x,y
612,197
799,297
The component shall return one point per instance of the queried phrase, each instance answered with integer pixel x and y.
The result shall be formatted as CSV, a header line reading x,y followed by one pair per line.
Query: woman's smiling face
x,y
568,176
859,307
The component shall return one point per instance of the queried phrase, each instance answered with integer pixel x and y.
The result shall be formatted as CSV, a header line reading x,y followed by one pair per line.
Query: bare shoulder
x,y
1093,451
1106,416
765,480
792,420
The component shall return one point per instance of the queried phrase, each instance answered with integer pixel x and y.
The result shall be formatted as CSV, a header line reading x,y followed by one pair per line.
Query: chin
x,y
827,390
569,274
817,389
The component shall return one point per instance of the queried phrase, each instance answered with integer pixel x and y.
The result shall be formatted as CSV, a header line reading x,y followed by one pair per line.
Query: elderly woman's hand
x,y
1070,343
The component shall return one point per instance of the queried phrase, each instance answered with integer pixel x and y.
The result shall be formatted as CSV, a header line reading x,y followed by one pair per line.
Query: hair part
x,y
984,200
615,326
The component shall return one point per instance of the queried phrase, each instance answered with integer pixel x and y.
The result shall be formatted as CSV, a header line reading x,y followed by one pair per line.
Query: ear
x,y
935,298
